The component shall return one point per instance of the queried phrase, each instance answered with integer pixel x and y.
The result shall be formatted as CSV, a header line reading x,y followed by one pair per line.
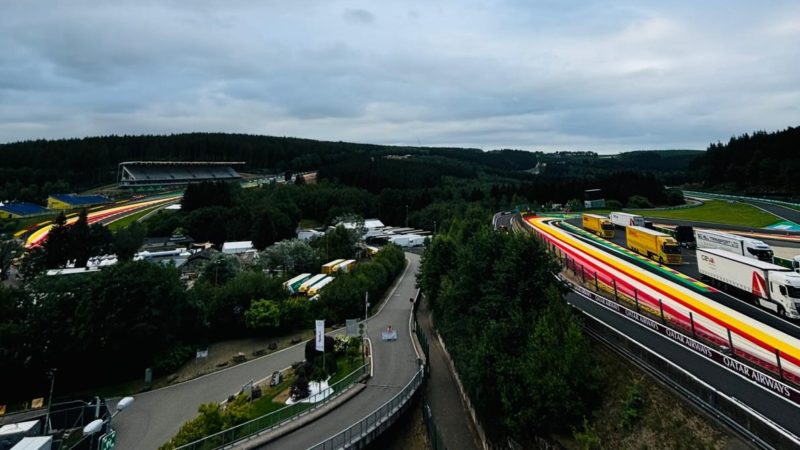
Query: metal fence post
x,y
636,298
596,285
780,366
614,284
691,322
661,308
730,340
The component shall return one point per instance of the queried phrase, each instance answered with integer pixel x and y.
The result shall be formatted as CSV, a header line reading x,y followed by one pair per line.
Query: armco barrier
x,y
757,428
277,418
367,429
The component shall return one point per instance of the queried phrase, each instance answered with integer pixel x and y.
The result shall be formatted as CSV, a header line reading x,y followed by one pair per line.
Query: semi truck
x,y
599,225
328,267
653,244
623,220
314,290
751,248
293,284
773,287
310,282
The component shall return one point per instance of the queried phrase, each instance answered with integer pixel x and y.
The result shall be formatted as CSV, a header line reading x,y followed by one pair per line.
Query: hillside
x,y
765,163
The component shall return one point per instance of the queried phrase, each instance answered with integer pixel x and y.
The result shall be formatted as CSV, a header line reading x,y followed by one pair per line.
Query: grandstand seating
x,y
149,173
71,201
21,209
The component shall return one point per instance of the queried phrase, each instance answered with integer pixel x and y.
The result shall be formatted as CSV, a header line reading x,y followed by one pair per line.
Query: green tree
x,y
220,269
263,315
293,256
337,243
128,241
263,233
80,240
9,250
57,245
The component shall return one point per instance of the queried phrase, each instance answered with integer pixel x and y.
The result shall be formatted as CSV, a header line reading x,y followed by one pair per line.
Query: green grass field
x,y
125,221
717,211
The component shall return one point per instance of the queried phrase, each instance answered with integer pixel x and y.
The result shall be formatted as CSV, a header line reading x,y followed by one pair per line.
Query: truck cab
x,y
758,250
784,287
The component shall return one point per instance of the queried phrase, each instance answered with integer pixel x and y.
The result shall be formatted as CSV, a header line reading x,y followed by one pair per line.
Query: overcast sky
x,y
540,75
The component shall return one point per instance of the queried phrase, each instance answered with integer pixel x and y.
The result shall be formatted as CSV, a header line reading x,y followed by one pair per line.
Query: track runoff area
x,y
679,307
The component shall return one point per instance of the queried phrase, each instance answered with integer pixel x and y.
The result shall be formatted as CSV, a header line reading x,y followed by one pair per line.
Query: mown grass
x,y
716,211
127,220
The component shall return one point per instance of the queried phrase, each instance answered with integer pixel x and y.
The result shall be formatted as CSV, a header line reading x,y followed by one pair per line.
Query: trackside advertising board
x,y
764,380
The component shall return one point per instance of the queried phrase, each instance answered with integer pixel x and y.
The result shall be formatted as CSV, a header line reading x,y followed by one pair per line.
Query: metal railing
x,y
755,427
435,439
366,429
277,418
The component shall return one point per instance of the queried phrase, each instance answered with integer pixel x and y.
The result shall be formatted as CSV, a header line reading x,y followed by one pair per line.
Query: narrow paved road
x,y
156,416
444,398
395,364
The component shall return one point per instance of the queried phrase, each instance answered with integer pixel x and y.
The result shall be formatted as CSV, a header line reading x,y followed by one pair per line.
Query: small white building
x,y
237,247
307,235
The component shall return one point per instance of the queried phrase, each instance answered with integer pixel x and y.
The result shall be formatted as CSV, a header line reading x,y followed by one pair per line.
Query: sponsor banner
x,y
320,335
201,353
764,380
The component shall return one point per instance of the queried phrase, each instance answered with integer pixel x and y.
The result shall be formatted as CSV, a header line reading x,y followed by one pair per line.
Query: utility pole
x,y
52,375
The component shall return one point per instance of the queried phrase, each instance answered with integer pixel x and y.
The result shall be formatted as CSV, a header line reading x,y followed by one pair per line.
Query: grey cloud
x,y
359,16
512,74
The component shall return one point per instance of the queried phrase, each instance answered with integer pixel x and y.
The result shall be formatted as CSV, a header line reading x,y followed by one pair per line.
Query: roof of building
x,y
80,199
237,245
23,209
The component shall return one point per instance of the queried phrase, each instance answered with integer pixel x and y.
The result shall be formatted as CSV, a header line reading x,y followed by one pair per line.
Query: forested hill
x,y
759,162
89,162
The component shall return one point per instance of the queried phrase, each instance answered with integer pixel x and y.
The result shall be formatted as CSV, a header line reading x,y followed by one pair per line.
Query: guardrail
x,y
367,429
755,427
277,418
741,197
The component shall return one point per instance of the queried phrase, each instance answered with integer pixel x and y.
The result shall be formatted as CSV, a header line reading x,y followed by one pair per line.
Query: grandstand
x,y
18,210
72,201
168,173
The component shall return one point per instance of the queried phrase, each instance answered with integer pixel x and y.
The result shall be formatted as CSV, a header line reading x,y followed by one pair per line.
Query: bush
x,y
637,201
633,405
613,205
172,360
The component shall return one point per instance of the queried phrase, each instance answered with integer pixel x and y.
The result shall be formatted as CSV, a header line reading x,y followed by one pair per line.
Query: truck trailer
x,y
623,220
294,284
653,244
773,287
751,248
599,225
310,282
328,267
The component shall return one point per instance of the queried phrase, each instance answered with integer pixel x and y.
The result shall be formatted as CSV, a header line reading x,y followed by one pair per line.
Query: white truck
x,y
751,248
623,220
774,287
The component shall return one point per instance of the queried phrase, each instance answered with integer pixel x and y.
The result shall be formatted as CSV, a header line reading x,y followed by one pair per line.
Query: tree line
x,y
761,162
515,342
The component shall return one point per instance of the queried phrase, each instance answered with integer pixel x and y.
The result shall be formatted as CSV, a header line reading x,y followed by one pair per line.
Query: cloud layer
x,y
492,74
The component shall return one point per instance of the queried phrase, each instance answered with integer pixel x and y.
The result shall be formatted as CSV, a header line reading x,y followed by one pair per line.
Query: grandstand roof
x,y
142,173
79,200
23,209
182,163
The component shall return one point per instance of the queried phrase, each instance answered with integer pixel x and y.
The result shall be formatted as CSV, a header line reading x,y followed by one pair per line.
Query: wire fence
x,y
371,426
277,418
434,437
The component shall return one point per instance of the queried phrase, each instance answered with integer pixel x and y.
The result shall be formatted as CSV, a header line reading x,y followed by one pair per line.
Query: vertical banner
x,y
320,335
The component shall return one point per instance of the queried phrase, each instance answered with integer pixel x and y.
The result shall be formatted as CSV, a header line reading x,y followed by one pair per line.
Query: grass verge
x,y
716,211
127,220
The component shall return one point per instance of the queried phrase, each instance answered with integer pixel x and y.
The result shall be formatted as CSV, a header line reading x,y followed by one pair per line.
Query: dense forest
x,y
33,169
515,342
761,162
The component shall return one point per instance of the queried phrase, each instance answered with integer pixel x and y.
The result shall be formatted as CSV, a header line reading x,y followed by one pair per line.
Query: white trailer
x,y
773,287
314,290
623,220
750,248
310,282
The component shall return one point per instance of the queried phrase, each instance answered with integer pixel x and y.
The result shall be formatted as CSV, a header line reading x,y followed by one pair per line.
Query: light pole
x,y
52,375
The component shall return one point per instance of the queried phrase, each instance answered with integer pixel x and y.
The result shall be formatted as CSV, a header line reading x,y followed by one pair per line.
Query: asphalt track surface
x,y
689,267
779,410
156,416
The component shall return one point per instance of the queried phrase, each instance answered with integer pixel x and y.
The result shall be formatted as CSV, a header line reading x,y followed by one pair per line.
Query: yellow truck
x,y
599,225
327,268
653,244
